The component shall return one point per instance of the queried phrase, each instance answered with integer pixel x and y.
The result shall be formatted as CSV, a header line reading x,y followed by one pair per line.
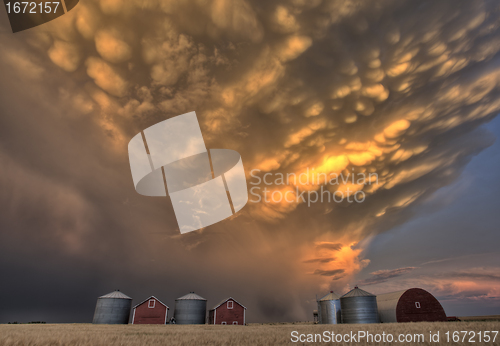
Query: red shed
x,y
150,311
229,311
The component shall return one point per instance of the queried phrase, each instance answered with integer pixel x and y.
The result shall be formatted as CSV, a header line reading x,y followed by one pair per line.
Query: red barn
x,y
150,311
229,311
412,305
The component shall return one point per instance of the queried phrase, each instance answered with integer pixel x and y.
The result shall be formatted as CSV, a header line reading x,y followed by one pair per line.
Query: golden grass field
x,y
253,334
480,318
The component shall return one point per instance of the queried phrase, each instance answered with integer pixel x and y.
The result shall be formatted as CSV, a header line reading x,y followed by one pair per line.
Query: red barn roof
x,y
225,300
152,297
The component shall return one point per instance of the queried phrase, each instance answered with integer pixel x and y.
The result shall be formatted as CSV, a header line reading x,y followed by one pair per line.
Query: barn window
x,y
235,322
230,304
151,303
223,322
417,304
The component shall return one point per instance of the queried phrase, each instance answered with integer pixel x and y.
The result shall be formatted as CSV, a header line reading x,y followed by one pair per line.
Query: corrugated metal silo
x,y
411,305
112,308
359,306
190,309
329,309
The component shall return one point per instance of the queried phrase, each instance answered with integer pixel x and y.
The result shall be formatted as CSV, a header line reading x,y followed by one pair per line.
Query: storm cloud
x,y
384,275
394,88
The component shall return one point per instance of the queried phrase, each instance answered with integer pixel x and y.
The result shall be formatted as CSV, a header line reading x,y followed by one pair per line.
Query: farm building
x,y
412,305
190,309
329,309
112,308
315,316
228,311
150,311
359,306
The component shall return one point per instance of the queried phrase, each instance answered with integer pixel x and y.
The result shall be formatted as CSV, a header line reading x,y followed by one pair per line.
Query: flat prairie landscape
x,y
253,334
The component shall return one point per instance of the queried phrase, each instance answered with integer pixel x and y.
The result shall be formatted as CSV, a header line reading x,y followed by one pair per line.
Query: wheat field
x,y
191,335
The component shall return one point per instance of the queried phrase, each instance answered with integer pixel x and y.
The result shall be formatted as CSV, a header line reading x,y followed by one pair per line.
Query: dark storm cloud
x,y
329,246
396,87
273,308
334,273
479,275
385,275
320,260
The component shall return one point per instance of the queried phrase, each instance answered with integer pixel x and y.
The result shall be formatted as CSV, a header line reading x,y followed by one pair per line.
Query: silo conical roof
x,y
357,292
330,296
116,294
191,296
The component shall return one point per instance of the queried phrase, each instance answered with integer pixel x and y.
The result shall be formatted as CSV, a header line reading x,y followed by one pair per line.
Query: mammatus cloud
x,y
395,88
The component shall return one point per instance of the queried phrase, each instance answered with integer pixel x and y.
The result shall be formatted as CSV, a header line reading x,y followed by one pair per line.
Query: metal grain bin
x,y
112,308
359,306
190,309
329,309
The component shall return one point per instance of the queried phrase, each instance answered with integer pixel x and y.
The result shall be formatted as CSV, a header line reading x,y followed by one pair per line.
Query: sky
x,y
404,90
438,240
